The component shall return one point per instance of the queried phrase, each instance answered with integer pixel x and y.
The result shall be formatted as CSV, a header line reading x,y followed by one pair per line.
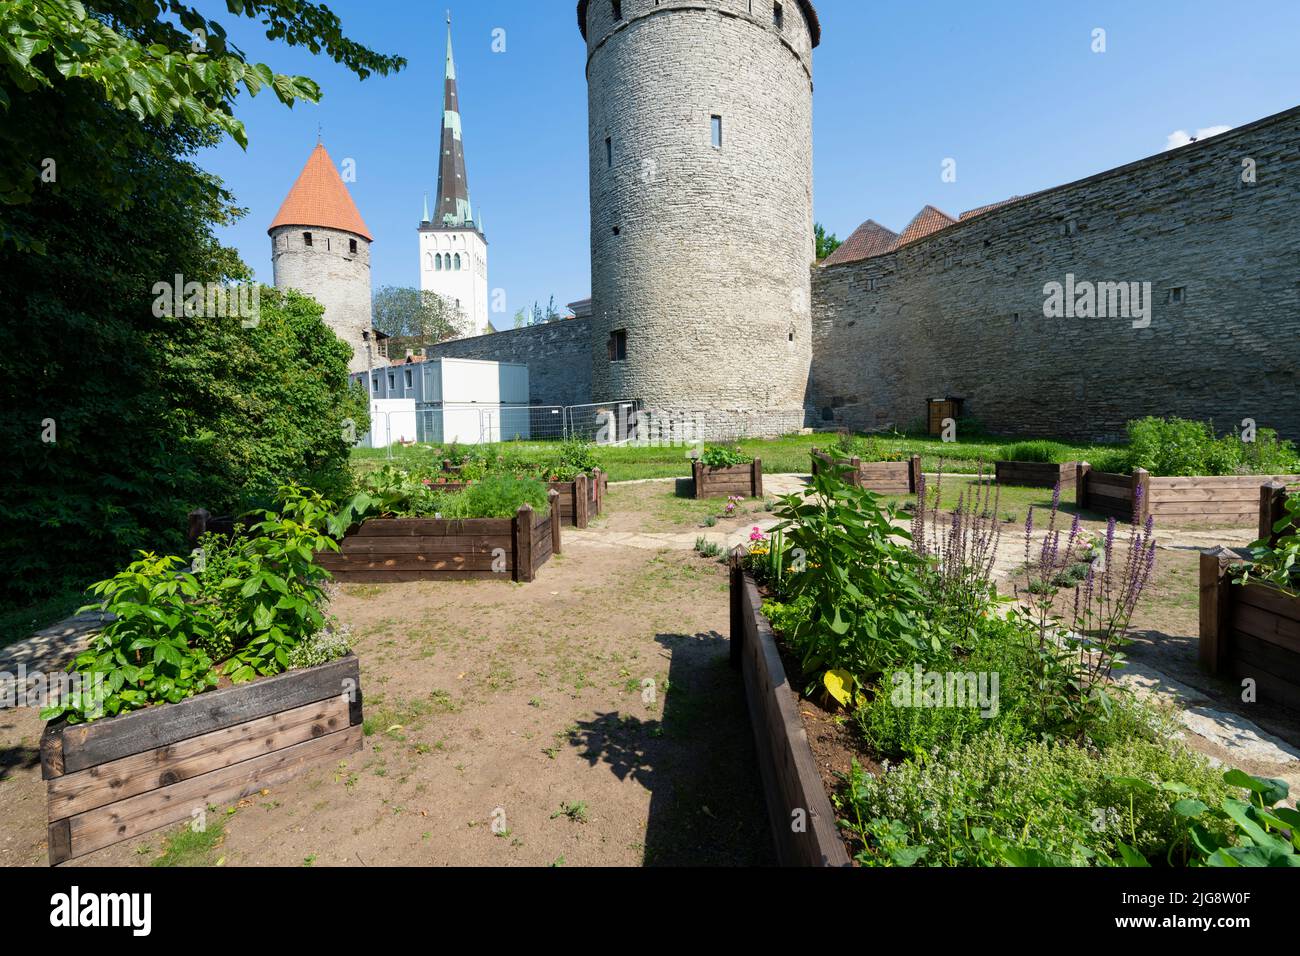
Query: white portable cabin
x,y
462,400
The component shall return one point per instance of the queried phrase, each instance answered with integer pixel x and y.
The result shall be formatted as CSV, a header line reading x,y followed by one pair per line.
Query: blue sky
x,y
1010,90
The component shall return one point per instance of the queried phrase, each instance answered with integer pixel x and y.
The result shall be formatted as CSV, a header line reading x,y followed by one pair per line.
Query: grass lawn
x,y
787,454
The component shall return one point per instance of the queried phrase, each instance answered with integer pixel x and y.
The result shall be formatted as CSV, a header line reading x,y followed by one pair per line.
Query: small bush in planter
x,y
723,456
1043,452
864,448
175,632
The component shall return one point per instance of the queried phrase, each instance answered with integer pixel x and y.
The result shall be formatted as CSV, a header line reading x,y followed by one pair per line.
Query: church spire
x,y
453,207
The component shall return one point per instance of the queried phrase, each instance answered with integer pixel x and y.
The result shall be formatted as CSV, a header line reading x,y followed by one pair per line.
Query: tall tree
x,y
120,417
415,318
826,244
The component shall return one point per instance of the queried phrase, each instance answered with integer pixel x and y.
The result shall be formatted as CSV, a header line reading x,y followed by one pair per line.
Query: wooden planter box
x,y
115,779
1036,474
392,550
882,477
792,784
1230,500
1250,631
1272,509
722,482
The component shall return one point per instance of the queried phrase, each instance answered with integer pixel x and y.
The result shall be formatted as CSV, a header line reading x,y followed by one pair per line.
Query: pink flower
x,y
756,535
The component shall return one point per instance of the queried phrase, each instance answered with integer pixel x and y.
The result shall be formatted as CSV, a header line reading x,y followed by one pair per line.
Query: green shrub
x,y
723,456
1175,447
496,496
864,448
896,728
1047,452
992,800
1112,460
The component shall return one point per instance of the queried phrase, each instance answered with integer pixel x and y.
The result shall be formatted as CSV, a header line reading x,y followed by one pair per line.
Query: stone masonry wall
x,y
558,356
332,275
961,313
702,255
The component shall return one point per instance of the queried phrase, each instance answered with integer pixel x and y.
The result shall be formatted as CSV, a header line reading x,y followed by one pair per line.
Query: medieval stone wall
x,y
961,313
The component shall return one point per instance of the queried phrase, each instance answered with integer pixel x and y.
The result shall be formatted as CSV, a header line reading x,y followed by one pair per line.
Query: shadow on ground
x,y
697,761
1177,656
18,758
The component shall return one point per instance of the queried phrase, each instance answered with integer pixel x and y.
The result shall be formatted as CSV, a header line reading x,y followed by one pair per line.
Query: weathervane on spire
x,y
320,128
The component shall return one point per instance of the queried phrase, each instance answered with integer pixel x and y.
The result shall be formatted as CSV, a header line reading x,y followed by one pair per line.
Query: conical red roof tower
x,y
319,198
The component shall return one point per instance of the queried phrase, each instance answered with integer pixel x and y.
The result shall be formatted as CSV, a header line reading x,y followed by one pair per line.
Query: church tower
x,y
453,249
320,246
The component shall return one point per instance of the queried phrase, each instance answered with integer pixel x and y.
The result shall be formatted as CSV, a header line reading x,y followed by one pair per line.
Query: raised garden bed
x,y
800,813
882,477
722,481
1249,631
117,778
1036,474
580,500
1220,499
391,550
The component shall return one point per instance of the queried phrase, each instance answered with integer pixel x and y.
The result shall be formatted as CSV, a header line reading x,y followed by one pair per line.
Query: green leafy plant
x,y
175,631
723,456
1277,563
860,580
150,652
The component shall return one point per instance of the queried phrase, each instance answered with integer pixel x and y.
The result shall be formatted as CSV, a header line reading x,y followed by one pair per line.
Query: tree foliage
x,y
159,60
826,243
415,318
120,420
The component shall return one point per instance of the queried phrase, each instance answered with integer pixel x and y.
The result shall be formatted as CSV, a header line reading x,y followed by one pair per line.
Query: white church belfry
x,y
453,248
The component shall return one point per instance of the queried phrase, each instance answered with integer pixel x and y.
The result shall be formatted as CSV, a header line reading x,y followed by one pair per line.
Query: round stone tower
x,y
700,127
320,246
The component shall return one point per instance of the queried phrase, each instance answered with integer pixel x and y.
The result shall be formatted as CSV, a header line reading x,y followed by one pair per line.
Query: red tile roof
x,y
319,198
926,221
868,240
981,210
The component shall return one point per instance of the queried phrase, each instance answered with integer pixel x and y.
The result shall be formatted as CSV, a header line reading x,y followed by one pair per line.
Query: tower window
x,y
1177,295
306,238
778,16
716,123
437,263
408,377
352,246
618,345
457,260
609,152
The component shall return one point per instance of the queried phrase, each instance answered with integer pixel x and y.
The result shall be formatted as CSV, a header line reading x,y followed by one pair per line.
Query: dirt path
x,y
490,701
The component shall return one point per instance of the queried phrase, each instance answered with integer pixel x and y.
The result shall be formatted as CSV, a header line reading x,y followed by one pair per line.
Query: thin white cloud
x,y
1180,137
